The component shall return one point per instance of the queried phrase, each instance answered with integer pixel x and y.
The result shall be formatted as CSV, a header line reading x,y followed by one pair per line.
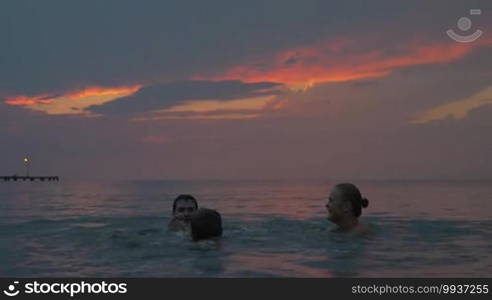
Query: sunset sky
x,y
245,89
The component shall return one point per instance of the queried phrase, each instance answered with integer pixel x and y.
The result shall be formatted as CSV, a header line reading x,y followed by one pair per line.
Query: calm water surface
x,y
271,228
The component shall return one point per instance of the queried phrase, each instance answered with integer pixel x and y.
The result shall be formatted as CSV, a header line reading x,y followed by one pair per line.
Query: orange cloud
x,y
456,109
24,100
103,91
72,102
245,108
342,60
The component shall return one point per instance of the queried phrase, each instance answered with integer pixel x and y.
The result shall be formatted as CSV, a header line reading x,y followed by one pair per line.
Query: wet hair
x,y
184,197
205,223
351,193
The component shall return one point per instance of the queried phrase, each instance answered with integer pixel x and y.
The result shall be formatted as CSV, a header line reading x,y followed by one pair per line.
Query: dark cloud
x,y
167,95
52,46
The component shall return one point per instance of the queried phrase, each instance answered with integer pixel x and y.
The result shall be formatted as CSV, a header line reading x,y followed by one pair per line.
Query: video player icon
x,y
11,290
464,24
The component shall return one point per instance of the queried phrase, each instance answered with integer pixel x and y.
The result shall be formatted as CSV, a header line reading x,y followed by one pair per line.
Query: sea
x,y
272,228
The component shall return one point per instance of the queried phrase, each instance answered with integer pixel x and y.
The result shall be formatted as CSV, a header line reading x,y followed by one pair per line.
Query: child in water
x,y
206,224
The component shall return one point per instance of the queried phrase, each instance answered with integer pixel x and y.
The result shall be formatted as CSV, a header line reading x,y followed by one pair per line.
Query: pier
x,y
29,178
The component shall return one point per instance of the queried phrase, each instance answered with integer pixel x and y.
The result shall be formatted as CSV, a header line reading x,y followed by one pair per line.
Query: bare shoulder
x,y
364,229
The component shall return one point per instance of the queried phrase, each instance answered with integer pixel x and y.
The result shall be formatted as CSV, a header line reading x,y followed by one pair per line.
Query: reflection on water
x,y
262,263
270,229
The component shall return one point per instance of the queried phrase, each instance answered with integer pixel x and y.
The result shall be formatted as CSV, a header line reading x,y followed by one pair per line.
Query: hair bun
x,y
365,202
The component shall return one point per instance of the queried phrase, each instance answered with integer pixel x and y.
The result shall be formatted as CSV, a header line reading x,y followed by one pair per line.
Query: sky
x,y
245,89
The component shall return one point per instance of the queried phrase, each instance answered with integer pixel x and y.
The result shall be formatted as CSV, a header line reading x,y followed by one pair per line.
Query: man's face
x,y
184,209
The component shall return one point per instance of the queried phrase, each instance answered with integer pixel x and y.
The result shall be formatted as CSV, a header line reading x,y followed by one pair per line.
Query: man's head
x,y
184,206
205,223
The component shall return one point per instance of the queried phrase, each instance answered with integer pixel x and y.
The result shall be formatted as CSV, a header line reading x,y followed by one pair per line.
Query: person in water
x,y
183,207
345,205
205,224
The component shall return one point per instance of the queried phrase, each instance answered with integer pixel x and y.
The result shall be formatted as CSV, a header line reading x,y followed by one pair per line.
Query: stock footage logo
x,y
464,24
11,291
68,287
